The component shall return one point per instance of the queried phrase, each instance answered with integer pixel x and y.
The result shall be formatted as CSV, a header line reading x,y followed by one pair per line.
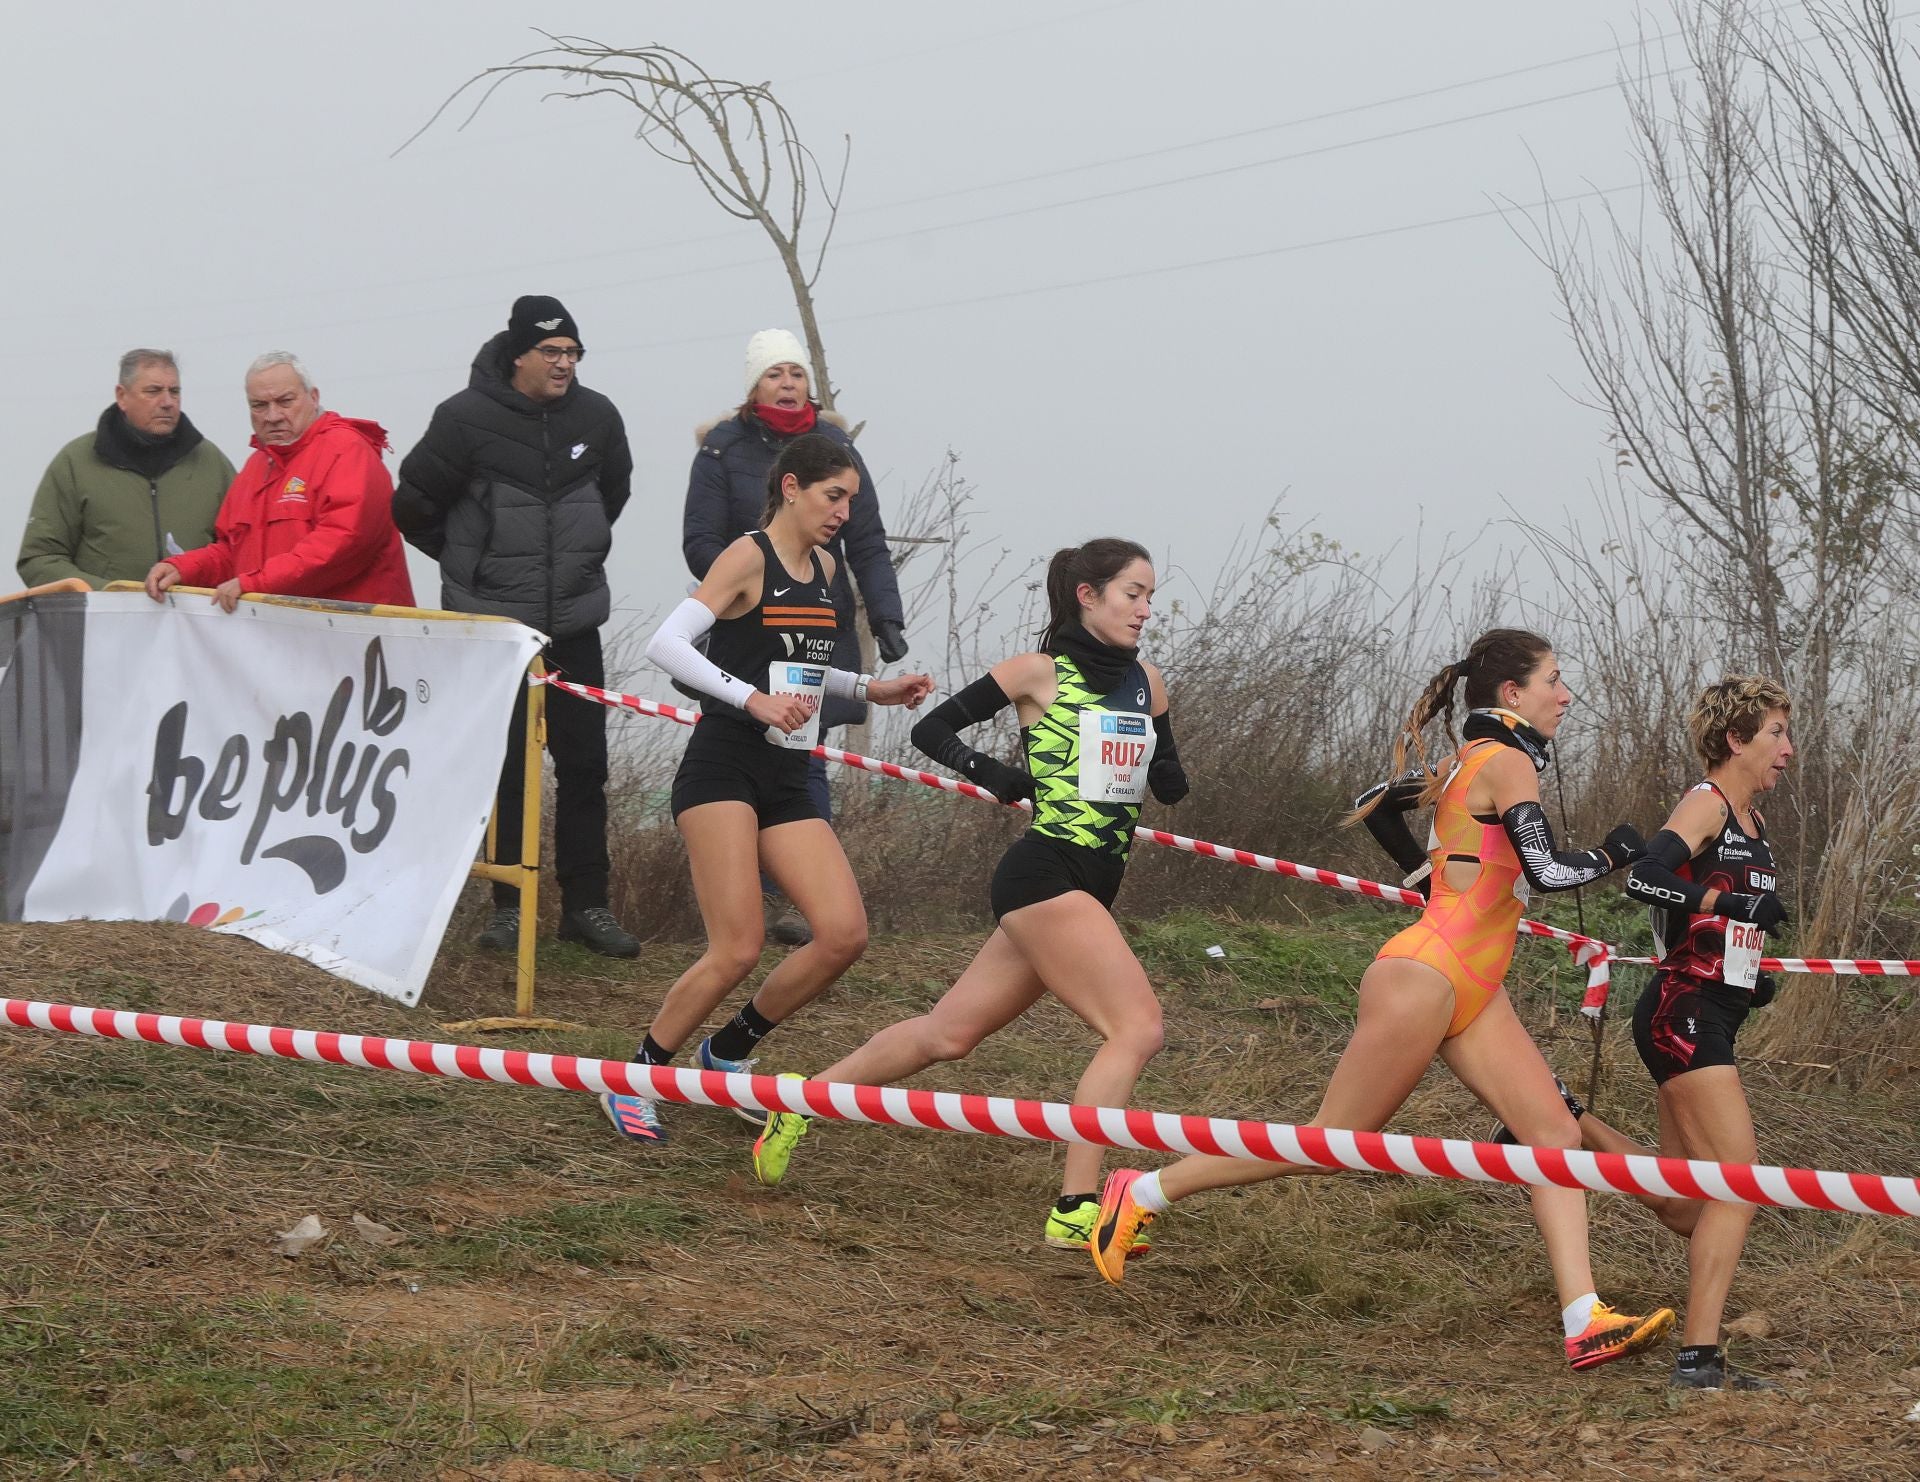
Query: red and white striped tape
x,y
1591,954
1596,956
1003,1116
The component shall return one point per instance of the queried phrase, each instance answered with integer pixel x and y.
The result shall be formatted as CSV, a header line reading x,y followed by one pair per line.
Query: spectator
x,y
514,491
725,493
141,486
310,515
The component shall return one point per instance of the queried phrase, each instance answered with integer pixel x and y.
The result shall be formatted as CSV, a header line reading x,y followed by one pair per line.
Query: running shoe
x,y
1072,1231
1121,1221
1501,1134
633,1117
774,1146
1611,1335
710,1061
1714,1374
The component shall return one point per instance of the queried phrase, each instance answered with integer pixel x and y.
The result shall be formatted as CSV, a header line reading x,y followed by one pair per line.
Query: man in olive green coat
x,y
142,486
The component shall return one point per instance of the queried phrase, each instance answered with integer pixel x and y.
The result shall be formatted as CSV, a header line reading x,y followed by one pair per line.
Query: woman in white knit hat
x,y
726,490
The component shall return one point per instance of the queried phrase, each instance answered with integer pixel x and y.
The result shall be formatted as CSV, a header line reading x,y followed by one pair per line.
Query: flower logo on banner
x,y
208,913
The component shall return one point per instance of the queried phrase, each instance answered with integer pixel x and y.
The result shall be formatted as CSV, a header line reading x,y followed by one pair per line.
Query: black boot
x,y
503,931
596,930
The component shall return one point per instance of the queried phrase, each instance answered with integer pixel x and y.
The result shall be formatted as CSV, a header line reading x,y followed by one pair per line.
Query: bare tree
x,y
737,138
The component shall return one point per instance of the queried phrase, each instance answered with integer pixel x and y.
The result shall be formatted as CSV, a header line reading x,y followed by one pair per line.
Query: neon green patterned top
x,y
1088,755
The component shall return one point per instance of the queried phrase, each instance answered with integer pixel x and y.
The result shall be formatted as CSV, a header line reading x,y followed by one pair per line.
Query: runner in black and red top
x,y
1709,878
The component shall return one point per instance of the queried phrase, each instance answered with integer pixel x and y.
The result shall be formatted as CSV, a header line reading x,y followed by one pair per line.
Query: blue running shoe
x,y
633,1117
710,1061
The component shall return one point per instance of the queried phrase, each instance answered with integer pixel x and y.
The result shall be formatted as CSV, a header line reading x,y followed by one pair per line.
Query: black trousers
x,y
577,741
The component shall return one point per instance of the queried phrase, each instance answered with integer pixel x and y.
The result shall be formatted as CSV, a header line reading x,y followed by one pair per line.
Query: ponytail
x,y
1498,655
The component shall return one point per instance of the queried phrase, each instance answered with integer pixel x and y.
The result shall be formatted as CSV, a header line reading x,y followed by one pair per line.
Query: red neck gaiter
x,y
787,421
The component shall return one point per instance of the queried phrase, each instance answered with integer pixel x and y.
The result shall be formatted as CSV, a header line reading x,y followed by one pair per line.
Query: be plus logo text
x,y
322,774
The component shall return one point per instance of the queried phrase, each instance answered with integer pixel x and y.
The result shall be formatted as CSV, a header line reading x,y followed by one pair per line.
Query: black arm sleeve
x,y
1546,867
1656,881
1165,775
1388,821
938,736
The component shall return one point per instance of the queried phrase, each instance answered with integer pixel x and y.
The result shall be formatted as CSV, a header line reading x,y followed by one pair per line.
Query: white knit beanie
x,y
771,347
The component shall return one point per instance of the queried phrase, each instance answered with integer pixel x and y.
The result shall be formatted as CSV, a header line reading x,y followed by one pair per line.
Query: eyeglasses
x,y
554,354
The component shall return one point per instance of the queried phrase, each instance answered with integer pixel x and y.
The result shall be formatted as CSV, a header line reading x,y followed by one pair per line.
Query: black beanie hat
x,y
537,317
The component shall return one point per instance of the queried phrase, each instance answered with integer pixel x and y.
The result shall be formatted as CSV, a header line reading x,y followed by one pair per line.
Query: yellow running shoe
x,y
1610,1335
1072,1231
1119,1227
774,1146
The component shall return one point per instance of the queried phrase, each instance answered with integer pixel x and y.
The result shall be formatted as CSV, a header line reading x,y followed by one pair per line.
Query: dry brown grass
x,y
565,1306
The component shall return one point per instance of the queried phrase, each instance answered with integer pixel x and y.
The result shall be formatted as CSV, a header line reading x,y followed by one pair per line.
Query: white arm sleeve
x,y
847,685
671,647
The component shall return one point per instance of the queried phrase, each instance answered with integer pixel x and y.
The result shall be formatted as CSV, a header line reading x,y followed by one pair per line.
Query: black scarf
x,y
1509,730
119,444
1101,664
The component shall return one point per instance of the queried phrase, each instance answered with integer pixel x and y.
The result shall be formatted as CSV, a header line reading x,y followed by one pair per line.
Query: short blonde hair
x,y
1739,704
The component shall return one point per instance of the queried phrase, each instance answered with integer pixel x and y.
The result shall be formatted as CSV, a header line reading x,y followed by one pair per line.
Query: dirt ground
x,y
557,1304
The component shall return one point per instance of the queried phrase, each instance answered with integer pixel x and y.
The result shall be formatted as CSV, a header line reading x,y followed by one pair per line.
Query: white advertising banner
x,y
318,781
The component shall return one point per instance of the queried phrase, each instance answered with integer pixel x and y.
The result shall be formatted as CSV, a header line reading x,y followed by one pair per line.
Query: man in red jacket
x,y
311,514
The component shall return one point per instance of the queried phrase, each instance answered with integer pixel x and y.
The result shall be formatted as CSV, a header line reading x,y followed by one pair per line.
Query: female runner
x,y
1093,714
1437,986
740,797
1710,880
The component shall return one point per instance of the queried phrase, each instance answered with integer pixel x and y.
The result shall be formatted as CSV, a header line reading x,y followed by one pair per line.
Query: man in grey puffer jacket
x,y
514,490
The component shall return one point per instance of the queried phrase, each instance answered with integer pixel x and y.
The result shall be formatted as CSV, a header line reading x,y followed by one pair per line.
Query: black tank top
x,y
1712,948
781,645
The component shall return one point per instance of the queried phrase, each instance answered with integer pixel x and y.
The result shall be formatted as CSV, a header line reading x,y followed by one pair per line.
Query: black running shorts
x,y
1684,1023
1037,869
727,762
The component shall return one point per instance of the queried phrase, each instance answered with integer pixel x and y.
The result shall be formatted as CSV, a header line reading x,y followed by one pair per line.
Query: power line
x,y
547,264
1164,270
762,260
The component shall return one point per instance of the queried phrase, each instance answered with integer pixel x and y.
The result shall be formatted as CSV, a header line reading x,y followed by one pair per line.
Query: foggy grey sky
x,y
216,178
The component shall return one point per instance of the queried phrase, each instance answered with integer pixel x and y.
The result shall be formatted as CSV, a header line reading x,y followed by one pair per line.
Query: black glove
x,y
1167,778
1008,784
1764,910
1761,994
1624,846
891,639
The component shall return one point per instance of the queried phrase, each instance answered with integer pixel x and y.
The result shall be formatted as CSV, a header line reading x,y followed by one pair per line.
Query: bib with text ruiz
x,y
1116,747
809,682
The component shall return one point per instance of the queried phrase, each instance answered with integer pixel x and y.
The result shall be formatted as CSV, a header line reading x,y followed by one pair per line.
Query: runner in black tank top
x,y
1710,881
1097,737
740,798
781,645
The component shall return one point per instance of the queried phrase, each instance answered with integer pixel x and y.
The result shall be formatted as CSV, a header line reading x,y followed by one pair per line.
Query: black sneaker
x,y
785,924
596,930
503,931
1501,1134
1714,1374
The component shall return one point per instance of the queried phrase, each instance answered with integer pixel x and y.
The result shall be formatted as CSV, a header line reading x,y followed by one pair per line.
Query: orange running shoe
x,y
1611,1335
1118,1226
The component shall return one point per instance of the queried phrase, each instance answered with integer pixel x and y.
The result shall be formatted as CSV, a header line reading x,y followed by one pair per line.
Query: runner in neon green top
x,y
1097,738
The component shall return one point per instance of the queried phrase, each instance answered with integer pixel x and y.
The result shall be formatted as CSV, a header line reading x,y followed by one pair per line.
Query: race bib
x,y
1740,962
1116,747
809,682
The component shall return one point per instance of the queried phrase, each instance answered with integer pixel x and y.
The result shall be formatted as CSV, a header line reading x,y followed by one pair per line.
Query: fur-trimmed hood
x,y
834,419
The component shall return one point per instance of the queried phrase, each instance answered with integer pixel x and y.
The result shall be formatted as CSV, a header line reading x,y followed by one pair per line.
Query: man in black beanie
x,y
514,490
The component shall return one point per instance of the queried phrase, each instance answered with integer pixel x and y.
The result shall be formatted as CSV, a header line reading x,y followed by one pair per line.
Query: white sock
x,y
1575,1316
1147,1194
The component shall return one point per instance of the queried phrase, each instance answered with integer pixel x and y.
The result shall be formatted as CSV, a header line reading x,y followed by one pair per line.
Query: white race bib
x,y
1740,961
809,682
1116,747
